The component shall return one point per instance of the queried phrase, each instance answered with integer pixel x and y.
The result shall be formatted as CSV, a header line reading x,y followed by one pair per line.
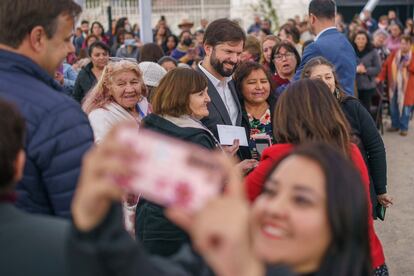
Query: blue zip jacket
x,y
57,135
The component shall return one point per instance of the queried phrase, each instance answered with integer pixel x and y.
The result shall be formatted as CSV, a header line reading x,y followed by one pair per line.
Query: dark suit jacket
x,y
218,114
336,48
31,244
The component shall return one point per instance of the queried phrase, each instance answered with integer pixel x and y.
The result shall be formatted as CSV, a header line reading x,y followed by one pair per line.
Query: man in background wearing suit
x,y
330,44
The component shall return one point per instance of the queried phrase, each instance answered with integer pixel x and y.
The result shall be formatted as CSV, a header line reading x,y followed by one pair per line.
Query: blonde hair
x,y
100,95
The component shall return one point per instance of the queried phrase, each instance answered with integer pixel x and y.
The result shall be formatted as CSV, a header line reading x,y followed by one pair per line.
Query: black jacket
x,y
85,81
31,244
370,143
218,114
109,250
193,135
157,234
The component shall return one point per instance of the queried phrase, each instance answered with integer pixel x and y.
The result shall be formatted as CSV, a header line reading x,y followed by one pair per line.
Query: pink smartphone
x,y
171,172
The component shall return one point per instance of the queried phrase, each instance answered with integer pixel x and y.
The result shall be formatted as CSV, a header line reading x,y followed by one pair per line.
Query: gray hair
x,y
381,32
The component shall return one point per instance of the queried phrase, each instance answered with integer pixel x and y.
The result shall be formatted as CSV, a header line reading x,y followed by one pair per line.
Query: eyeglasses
x,y
281,56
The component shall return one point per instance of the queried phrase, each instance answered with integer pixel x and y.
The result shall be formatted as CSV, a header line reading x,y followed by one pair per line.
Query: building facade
x,y
194,10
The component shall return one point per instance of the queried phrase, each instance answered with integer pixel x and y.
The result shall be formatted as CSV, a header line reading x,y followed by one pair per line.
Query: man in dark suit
x,y
330,44
223,43
30,244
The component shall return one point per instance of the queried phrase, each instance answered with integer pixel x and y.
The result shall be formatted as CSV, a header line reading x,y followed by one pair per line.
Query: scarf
x,y
400,76
361,54
188,121
121,113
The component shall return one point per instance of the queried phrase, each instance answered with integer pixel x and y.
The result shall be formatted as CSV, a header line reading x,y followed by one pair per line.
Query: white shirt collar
x,y
216,82
324,30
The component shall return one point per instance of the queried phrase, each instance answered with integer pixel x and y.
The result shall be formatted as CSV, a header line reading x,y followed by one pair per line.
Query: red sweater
x,y
271,155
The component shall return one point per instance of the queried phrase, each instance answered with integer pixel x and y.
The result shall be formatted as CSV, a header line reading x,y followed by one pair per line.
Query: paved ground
x,y
397,231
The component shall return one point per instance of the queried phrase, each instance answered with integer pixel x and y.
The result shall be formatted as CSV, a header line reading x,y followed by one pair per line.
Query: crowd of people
x,y
314,89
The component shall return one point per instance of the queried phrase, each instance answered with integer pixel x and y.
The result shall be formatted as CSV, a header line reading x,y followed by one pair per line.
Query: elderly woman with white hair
x,y
118,96
379,41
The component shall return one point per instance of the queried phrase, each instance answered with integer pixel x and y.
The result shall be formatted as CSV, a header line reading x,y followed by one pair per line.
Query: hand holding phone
x,y
171,172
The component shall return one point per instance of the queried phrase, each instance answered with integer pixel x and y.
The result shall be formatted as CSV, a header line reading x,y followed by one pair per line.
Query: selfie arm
x,y
109,250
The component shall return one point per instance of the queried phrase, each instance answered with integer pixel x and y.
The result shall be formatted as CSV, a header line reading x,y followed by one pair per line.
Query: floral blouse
x,y
262,126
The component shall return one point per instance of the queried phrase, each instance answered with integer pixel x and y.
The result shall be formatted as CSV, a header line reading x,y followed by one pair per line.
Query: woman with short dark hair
x,y
170,44
285,59
369,66
179,103
255,88
89,74
98,30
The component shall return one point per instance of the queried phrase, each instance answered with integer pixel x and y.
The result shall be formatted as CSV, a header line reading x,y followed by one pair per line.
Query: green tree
x,y
266,8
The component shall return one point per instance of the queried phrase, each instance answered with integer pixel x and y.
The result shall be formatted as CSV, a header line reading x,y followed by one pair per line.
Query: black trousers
x,y
365,96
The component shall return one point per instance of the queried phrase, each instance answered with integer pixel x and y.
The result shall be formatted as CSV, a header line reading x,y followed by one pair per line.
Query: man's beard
x,y
219,65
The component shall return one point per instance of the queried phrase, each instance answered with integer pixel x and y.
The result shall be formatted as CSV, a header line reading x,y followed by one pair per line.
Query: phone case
x,y
380,210
170,171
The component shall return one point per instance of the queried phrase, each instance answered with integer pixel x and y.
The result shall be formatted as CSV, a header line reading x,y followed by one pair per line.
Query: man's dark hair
x,y
223,30
12,129
323,8
84,22
183,32
18,18
268,21
100,45
266,31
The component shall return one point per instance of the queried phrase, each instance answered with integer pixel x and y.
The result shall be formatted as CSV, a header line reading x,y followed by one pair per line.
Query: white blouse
x,y
104,119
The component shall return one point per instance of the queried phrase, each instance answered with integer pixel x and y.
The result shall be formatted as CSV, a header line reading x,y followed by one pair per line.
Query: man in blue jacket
x,y
35,38
330,44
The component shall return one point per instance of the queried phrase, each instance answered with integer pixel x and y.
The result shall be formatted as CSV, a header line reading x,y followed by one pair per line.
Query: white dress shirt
x,y
224,91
